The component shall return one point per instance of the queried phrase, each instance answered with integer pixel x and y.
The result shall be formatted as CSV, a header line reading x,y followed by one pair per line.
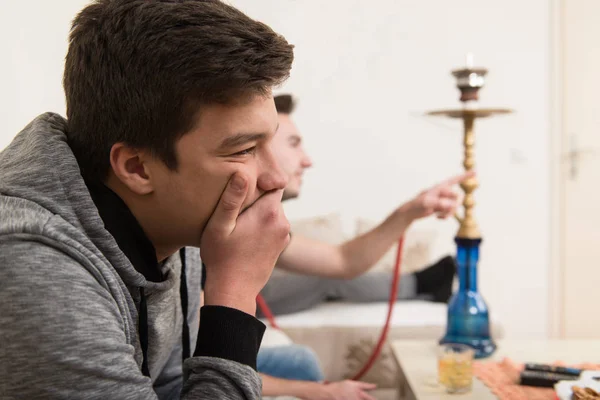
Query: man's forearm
x,y
284,387
362,252
350,259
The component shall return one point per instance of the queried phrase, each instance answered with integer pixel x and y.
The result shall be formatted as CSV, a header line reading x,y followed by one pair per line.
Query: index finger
x,y
459,178
227,210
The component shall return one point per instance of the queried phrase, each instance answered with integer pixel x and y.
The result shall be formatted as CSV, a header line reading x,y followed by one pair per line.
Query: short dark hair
x,y
138,71
284,103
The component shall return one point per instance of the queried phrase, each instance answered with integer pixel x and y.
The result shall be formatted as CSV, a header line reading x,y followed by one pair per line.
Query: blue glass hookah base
x,y
468,316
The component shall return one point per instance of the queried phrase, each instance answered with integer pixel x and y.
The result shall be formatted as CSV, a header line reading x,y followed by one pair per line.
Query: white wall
x,y
365,72
33,42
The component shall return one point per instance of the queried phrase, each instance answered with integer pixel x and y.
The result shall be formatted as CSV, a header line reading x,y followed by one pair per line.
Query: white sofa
x,y
344,334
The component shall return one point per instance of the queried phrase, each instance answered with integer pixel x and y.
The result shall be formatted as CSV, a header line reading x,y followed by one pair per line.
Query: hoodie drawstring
x,y
143,329
185,334
143,319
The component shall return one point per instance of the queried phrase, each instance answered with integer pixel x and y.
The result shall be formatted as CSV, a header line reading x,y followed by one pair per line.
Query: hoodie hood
x,y
40,179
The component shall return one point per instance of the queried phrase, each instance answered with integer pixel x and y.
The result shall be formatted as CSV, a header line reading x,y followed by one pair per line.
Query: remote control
x,y
544,379
552,368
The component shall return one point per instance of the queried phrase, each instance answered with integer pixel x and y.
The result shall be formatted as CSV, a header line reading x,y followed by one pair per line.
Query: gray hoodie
x,y
69,297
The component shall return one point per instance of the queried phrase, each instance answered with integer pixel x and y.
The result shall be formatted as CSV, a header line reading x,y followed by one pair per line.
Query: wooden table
x,y
417,364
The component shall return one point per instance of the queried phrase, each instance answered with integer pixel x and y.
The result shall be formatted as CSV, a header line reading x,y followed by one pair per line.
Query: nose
x,y
270,174
306,161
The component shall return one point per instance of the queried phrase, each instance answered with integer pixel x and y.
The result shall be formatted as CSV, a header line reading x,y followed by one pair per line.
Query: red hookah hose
x,y
386,327
262,304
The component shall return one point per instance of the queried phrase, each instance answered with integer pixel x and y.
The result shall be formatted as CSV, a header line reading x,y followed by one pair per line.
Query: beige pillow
x,y
417,248
326,228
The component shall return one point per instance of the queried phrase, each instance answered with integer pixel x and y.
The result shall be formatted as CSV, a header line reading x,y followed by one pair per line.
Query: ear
x,y
131,167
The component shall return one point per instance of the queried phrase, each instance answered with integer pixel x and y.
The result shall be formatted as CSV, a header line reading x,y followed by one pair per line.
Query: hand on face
x,y
442,199
240,247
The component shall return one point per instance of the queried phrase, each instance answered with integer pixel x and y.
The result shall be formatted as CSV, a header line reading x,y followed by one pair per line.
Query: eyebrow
x,y
240,139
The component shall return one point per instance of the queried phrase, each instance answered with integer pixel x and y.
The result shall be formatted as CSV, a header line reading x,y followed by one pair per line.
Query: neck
x,y
145,213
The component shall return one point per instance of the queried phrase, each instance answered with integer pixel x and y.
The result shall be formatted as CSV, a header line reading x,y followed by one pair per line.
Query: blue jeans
x,y
290,362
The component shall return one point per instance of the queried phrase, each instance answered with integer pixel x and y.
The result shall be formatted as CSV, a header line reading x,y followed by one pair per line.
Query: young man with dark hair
x,y
167,145
325,271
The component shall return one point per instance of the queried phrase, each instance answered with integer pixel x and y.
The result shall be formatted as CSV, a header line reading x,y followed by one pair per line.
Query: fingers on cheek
x,y
229,204
286,237
275,217
283,226
270,215
215,230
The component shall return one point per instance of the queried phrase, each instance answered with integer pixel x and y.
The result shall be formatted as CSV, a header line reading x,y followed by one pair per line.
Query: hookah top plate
x,y
474,113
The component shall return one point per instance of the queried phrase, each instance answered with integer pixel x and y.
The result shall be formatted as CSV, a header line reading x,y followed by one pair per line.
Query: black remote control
x,y
544,379
552,368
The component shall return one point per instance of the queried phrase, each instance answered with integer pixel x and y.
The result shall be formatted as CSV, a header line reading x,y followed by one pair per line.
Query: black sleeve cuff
x,y
230,334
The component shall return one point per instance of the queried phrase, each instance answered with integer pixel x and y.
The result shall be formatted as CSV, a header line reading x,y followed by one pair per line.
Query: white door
x,y
580,172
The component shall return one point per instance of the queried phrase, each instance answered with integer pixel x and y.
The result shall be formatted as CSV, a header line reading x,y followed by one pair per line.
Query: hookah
x,y
468,316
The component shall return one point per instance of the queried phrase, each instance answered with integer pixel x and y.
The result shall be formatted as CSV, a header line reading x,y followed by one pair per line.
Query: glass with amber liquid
x,y
455,367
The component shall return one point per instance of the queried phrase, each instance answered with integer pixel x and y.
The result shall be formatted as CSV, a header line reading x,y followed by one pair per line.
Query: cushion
x,y
325,228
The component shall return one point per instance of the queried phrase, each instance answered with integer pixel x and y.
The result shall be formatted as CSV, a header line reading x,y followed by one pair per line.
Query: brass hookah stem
x,y
468,227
